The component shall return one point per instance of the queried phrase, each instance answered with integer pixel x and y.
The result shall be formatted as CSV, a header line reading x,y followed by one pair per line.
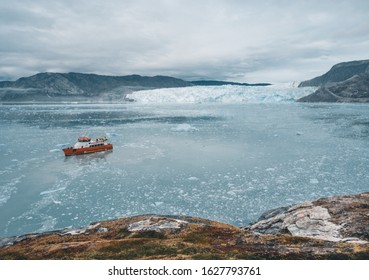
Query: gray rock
x,y
158,224
354,89
342,218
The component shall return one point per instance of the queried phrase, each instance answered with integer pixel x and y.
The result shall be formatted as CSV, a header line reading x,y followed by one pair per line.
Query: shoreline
x,y
327,228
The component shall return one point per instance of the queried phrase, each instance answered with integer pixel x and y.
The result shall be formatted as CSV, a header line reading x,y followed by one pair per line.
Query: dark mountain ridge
x,y
345,82
77,85
54,87
338,73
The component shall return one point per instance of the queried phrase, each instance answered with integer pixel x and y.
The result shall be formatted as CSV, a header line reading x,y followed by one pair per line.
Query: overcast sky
x,y
245,41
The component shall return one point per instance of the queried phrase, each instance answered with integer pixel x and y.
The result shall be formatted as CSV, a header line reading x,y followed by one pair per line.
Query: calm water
x,y
220,161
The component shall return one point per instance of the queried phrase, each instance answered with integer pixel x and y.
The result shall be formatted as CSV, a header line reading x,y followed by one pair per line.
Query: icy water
x,y
178,154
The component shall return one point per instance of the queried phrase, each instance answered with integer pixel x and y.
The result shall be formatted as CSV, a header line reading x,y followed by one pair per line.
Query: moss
x,y
298,240
134,249
122,233
157,249
338,256
204,235
149,234
196,238
13,256
191,251
364,255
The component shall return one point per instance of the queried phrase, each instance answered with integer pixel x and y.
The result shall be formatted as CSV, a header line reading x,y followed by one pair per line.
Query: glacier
x,y
280,93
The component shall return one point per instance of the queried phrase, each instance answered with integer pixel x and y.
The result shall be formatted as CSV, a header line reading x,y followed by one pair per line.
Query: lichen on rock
x,y
320,219
157,223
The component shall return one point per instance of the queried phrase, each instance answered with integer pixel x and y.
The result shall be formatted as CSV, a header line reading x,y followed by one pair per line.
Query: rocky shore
x,y
327,228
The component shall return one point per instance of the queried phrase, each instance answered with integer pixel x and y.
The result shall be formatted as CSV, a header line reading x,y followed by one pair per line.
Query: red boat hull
x,y
81,151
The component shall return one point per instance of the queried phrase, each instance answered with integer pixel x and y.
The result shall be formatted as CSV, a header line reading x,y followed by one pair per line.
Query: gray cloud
x,y
272,41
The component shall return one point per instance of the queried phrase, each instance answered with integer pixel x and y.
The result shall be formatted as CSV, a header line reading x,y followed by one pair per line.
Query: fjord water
x,y
225,153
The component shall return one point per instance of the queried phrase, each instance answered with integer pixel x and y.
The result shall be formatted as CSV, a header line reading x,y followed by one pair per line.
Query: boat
x,y
86,145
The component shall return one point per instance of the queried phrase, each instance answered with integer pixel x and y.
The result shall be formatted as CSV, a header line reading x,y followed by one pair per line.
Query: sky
x,y
235,40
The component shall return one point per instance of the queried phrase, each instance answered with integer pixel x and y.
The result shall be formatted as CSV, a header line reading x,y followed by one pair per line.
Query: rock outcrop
x,y
345,82
329,228
344,218
354,90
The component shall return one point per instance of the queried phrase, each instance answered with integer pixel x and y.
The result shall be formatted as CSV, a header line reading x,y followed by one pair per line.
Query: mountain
x,y
78,86
222,83
354,89
338,73
345,82
55,87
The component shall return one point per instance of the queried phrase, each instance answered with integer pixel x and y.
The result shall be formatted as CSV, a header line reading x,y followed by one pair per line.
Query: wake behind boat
x,y
86,145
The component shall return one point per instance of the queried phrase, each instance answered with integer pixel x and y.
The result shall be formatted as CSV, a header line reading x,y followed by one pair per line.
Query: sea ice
x,y
314,181
8,189
52,191
184,127
192,178
63,145
227,151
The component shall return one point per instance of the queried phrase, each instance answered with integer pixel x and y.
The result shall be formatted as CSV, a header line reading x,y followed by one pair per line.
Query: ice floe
x,y
52,191
184,127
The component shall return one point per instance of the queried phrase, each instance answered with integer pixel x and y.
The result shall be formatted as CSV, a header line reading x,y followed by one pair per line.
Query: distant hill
x,y
338,73
345,82
54,87
78,86
355,89
222,83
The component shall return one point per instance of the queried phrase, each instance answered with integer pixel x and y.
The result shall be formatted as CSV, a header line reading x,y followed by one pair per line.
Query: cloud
x,y
272,41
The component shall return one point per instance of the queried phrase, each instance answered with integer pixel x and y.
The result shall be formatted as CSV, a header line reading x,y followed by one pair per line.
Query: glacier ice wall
x,y
222,94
